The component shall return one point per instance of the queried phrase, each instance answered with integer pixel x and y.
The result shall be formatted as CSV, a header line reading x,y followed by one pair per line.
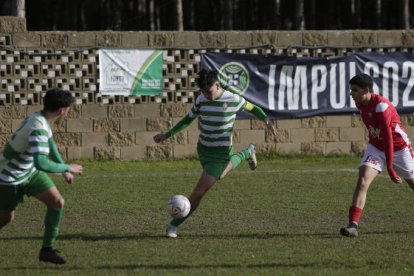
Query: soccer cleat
x,y
252,158
50,255
171,231
350,231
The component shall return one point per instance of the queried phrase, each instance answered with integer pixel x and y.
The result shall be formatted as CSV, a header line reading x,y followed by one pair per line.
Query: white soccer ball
x,y
178,206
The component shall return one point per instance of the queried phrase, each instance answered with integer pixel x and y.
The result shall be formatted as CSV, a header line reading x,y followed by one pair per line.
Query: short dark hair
x,y
57,98
206,78
362,80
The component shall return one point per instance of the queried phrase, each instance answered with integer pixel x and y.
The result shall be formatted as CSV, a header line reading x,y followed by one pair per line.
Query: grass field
x,y
282,219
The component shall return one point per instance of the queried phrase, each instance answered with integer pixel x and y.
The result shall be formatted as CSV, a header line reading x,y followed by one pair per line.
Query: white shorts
x,y
403,163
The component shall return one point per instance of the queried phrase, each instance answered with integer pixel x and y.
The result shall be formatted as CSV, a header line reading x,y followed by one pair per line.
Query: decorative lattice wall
x,y
26,74
122,127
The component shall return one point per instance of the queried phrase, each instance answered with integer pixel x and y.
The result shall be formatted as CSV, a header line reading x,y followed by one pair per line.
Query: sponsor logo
x,y
375,132
372,160
234,77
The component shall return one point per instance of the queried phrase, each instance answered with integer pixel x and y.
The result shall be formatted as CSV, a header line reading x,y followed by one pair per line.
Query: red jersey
x,y
379,116
386,132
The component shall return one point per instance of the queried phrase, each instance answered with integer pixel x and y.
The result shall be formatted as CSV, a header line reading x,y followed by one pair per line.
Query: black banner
x,y
290,87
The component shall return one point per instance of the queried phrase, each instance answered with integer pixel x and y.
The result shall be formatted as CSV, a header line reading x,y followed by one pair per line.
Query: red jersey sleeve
x,y
384,115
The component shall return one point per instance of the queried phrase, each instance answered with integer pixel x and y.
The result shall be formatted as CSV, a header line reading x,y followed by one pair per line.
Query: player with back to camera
x,y
216,109
389,145
28,154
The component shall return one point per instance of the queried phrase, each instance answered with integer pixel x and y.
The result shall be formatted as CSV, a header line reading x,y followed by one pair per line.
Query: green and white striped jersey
x,y
16,161
216,118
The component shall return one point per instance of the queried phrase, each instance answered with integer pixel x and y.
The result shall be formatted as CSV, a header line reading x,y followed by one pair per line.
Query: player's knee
x,y
225,172
363,184
57,203
60,202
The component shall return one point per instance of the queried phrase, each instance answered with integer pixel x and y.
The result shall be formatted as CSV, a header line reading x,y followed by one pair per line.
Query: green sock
x,y
52,222
236,158
178,221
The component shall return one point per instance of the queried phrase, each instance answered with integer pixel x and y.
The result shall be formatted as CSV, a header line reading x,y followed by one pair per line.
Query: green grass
x,y
282,219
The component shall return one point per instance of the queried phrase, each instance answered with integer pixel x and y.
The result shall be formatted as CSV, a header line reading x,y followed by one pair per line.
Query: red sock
x,y
354,214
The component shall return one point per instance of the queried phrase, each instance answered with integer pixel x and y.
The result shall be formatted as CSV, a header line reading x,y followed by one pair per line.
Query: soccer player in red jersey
x,y
389,145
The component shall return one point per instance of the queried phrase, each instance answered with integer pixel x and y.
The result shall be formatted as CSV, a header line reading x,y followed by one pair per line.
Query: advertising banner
x,y
291,87
130,72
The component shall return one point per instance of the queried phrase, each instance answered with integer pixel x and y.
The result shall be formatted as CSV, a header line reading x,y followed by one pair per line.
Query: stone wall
x,y
116,127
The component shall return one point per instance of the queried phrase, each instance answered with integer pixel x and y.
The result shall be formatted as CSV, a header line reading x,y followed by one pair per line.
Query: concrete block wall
x,y
125,132
114,127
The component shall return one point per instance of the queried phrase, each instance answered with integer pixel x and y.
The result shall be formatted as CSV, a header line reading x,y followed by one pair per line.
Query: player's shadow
x,y
88,237
187,266
207,266
147,236
234,266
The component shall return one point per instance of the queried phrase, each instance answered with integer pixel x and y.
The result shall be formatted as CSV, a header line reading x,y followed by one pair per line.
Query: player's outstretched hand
x,y
160,138
75,168
270,127
394,176
68,177
396,180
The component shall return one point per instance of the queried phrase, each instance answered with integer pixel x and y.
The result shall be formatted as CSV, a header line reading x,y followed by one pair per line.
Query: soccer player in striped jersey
x,y
28,154
389,145
216,109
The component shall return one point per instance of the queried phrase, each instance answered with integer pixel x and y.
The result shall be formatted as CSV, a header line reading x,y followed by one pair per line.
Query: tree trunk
x,y
405,14
226,17
179,13
157,18
239,19
20,8
311,22
151,11
82,23
190,18
208,15
378,14
13,8
356,14
299,21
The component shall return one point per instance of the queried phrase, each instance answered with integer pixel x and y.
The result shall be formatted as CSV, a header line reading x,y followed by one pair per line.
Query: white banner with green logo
x,y
127,72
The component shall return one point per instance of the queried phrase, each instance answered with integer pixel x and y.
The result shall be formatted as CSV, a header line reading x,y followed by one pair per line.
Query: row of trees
x,y
202,15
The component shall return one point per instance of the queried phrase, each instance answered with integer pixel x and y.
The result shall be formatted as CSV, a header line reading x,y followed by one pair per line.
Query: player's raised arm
x,y
182,124
261,115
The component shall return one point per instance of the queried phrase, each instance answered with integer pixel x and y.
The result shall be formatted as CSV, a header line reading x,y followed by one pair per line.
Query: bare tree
x,y
151,11
190,15
311,18
20,8
226,15
275,17
82,19
117,7
13,8
378,14
405,14
356,13
179,13
299,21
157,18
203,15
